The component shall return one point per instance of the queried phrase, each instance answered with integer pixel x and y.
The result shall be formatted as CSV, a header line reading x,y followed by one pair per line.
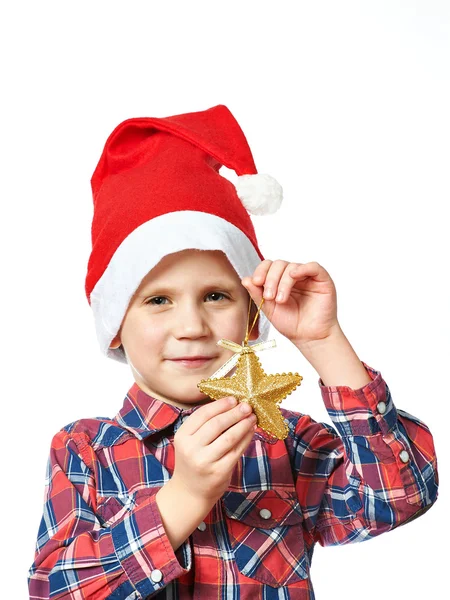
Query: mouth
x,y
192,363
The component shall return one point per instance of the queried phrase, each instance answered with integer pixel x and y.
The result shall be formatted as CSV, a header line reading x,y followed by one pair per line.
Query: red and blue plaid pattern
x,y
101,534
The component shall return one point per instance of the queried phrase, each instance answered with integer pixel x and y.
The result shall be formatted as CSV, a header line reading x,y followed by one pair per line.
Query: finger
x,y
216,426
206,412
291,274
273,277
259,275
310,269
232,438
229,459
256,292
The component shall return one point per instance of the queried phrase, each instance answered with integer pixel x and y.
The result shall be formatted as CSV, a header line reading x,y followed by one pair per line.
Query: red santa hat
x,y
157,190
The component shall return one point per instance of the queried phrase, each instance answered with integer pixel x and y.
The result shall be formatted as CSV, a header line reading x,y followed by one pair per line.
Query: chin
x,y
189,396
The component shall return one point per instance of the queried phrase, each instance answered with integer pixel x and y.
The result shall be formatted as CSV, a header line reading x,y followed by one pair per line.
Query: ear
x,y
115,343
255,331
255,293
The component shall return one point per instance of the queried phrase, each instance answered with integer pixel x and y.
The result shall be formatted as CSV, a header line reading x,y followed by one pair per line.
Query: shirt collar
x,y
144,415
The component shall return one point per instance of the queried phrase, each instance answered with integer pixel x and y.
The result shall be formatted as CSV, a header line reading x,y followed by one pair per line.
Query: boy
x,y
180,496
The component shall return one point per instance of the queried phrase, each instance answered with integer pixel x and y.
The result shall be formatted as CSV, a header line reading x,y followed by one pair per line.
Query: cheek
x,y
154,334
234,325
145,332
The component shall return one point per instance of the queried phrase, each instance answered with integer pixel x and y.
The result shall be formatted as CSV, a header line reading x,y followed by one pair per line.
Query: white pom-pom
x,y
261,194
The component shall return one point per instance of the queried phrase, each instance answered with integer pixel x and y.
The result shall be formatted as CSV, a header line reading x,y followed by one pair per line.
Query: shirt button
x,y
381,406
265,514
404,456
202,526
156,575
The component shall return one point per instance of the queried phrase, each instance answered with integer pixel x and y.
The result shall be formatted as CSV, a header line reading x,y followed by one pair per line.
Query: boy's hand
x,y
208,446
307,312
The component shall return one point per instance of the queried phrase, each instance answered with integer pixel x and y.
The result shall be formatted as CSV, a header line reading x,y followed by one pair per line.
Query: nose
x,y
190,321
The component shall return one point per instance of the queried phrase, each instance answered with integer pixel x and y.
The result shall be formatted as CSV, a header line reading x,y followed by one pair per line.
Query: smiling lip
x,y
192,361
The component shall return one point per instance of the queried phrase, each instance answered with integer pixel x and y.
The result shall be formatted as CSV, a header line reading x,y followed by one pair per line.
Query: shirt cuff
x,y
365,411
144,550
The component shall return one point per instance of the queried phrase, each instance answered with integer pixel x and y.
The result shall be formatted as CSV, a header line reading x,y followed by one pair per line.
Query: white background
x,y
346,104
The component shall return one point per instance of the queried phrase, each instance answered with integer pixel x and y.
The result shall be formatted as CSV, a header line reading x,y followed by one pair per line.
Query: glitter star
x,y
263,392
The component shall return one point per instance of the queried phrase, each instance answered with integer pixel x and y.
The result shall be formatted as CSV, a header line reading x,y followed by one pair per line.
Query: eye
x,y
156,298
216,294
154,303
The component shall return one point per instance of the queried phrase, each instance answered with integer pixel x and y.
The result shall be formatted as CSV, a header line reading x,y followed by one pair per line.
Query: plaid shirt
x,y
101,534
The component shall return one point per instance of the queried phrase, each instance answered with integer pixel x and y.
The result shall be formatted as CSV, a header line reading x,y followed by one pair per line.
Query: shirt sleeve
x,y
375,470
80,554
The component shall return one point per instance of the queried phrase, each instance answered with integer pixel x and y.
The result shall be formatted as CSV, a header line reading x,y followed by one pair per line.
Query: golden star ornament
x,y
251,384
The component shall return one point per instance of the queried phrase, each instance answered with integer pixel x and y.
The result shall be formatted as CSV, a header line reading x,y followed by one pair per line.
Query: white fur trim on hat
x,y
146,246
260,193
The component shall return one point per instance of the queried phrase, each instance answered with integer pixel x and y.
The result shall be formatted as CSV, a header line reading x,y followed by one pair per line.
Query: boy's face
x,y
183,306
